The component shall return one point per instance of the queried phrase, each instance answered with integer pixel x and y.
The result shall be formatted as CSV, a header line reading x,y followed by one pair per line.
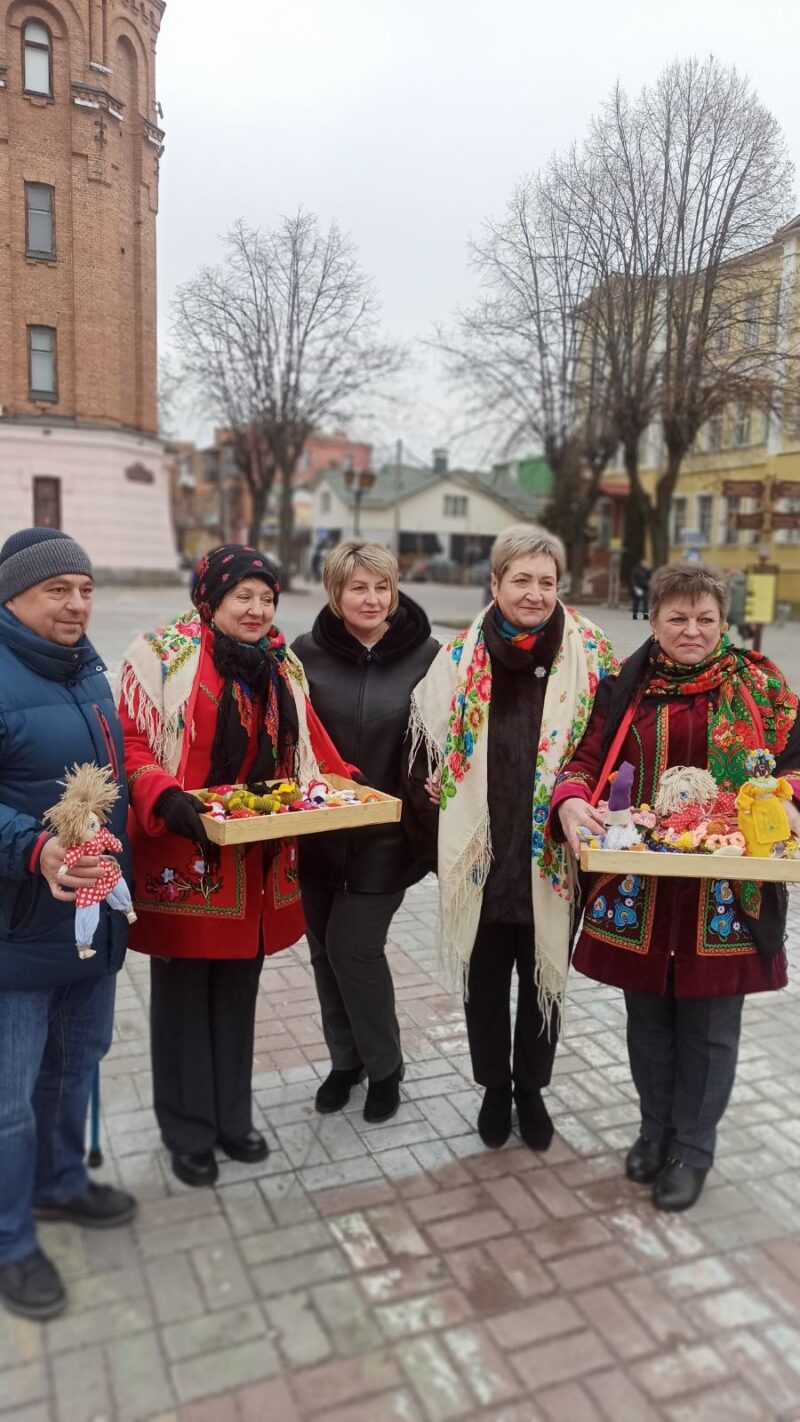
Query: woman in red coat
x,y
215,698
684,950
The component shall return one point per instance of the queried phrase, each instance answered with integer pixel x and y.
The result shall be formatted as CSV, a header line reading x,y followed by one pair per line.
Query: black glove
x,y
181,815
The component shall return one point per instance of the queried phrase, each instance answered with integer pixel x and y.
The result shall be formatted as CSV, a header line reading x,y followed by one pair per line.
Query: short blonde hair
x,y
526,540
691,580
343,561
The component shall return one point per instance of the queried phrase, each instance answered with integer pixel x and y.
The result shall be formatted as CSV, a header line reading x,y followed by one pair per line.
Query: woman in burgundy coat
x,y
684,950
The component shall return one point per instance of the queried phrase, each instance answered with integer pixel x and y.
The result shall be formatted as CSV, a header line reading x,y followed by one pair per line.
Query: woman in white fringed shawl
x,y
501,709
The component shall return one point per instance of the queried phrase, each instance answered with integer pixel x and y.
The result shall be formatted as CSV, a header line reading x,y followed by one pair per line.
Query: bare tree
x,y
730,179
168,397
278,339
681,189
526,358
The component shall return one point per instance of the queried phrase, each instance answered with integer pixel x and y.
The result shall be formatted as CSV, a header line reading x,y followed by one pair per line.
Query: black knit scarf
x,y
255,687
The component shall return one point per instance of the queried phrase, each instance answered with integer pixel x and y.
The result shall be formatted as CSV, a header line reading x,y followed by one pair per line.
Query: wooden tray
x,y
689,866
386,810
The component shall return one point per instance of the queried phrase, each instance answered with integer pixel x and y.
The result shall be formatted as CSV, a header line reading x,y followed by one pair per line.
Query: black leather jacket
x,y
362,697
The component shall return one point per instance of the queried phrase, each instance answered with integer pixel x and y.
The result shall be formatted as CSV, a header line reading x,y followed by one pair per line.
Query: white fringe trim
x,y
163,737
460,898
419,735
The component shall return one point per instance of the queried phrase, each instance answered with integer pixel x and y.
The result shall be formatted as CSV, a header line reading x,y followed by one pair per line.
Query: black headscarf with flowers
x,y
254,675
222,569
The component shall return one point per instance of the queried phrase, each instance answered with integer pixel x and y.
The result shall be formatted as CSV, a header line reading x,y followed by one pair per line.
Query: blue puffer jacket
x,y
56,710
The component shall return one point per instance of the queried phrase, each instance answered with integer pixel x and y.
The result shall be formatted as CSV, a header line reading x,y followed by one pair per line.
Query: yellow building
x,y
759,453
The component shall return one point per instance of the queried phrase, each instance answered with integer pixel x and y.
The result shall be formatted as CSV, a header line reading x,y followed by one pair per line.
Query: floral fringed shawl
x,y
158,679
450,712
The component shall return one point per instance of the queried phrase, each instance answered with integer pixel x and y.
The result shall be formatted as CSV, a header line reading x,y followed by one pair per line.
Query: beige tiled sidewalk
x,y
402,1273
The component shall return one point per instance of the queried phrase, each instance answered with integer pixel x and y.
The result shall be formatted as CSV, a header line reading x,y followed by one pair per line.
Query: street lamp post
x,y
359,483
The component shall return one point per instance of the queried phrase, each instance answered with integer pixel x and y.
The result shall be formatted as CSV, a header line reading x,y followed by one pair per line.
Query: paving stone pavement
x,y
402,1273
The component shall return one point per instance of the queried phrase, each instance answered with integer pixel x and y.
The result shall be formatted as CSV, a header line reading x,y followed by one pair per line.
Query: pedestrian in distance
x,y
56,1007
367,650
640,590
684,951
215,698
502,709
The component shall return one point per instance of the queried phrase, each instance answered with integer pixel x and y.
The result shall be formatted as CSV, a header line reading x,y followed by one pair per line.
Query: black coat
x,y
362,696
519,682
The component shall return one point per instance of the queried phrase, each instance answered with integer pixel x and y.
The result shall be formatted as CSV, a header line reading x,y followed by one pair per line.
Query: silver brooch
x,y
540,671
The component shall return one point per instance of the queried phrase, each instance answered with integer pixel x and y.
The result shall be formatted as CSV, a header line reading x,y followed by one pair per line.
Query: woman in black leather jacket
x,y
365,654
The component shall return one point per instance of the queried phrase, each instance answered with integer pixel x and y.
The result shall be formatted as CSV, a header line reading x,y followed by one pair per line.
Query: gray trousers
x,y
347,938
683,1054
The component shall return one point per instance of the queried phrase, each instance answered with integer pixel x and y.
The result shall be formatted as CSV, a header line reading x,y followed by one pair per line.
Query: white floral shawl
x,y
450,713
158,682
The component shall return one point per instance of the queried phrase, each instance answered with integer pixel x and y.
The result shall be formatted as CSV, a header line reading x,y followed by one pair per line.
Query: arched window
x,y
37,59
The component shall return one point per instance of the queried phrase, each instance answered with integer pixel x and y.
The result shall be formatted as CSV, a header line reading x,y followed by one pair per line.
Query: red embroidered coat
x,y
632,926
185,908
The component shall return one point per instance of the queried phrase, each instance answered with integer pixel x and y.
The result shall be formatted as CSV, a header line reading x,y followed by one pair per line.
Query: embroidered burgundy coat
x,y
187,908
632,926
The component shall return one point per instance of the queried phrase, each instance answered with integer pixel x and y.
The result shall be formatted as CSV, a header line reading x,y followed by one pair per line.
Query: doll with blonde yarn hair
x,y
79,820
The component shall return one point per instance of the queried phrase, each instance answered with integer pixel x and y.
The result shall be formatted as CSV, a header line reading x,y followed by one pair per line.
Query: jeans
x,y
51,1040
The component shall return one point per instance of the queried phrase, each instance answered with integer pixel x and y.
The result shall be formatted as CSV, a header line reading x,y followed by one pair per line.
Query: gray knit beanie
x,y
35,554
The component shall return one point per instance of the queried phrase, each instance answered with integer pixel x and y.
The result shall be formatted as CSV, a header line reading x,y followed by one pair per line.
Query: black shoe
x,y
644,1160
197,1169
32,1287
99,1207
334,1093
535,1125
678,1186
249,1149
494,1117
383,1097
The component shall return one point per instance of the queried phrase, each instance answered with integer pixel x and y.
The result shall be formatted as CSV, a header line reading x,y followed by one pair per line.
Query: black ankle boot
x,y
644,1160
197,1168
494,1117
334,1093
535,1125
249,1149
383,1097
32,1287
678,1186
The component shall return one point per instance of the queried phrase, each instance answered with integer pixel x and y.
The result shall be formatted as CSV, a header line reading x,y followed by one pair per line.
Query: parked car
x,y
435,570
479,574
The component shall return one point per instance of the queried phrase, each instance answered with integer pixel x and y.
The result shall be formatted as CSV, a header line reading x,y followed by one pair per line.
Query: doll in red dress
x,y
79,822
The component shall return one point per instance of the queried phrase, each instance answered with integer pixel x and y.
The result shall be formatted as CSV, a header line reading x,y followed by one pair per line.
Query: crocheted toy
x,y
79,822
621,832
694,814
762,818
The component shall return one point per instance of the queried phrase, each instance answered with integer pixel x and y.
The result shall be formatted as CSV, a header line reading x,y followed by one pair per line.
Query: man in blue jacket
x,y
56,1009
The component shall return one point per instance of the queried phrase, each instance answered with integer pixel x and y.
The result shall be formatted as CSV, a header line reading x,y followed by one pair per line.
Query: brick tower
x,y
79,158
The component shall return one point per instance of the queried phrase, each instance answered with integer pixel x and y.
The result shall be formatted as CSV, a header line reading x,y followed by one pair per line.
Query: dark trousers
x,y
347,940
499,948
202,1027
683,1054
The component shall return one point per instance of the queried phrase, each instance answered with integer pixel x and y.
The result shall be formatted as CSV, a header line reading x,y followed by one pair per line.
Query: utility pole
x,y
398,484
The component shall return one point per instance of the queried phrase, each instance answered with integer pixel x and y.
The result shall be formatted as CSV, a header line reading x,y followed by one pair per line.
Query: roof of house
x,y
394,485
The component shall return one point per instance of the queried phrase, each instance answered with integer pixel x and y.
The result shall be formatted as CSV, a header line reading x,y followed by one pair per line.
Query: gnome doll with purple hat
x,y
621,832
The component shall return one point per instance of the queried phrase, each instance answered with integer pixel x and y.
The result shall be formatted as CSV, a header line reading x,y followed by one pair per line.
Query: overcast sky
x,y
409,121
